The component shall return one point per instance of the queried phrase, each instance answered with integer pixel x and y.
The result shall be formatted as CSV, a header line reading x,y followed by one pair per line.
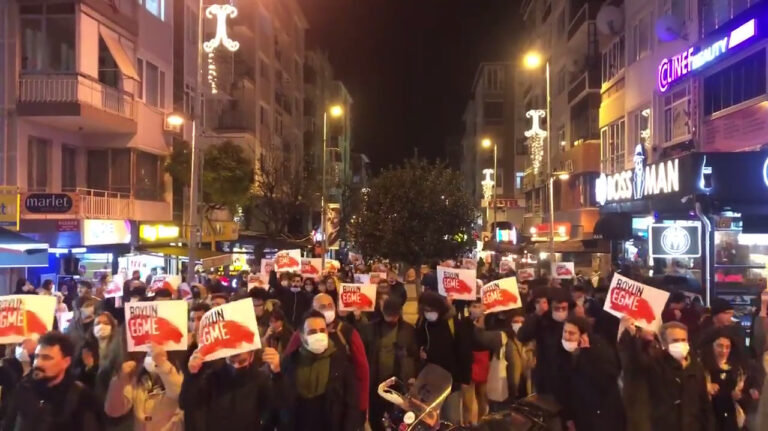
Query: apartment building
x,y
564,34
489,121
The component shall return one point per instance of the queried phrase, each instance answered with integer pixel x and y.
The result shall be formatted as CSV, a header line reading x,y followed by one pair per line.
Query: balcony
x,y
107,205
585,82
582,157
76,102
581,12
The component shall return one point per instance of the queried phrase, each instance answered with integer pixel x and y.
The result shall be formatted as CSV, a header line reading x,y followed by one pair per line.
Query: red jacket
x,y
357,353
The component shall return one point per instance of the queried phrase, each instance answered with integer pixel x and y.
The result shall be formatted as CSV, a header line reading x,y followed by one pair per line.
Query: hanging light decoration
x,y
536,137
487,184
220,12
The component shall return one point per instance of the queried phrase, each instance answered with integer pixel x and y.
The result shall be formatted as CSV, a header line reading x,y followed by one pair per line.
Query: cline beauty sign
x,y
673,68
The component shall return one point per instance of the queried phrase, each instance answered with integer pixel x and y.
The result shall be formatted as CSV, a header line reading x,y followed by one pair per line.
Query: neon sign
x,y
673,68
644,180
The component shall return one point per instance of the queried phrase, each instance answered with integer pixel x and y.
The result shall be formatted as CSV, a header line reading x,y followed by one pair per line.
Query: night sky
x,y
409,65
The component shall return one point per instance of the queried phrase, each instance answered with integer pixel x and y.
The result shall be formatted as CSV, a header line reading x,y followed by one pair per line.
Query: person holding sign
x,y
587,375
322,388
13,369
151,392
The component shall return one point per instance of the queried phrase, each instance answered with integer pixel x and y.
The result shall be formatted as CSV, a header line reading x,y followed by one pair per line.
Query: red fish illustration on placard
x,y
563,270
285,261
499,298
456,285
113,289
309,269
640,311
33,323
166,331
236,333
356,300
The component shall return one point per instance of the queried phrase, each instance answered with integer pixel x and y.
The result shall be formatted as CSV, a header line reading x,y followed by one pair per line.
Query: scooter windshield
x,y
426,397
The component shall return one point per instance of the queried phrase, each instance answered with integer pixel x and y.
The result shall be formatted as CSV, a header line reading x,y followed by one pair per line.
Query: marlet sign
x,y
642,181
676,67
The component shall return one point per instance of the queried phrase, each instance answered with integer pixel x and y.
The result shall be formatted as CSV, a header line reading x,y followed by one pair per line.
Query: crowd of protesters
x,y
319,367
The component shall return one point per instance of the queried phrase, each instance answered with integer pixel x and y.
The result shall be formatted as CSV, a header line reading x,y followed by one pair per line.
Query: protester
x,y
49,398
310,286
680,310
111,350
726,376
233,396
635,389
13,369
322,391
151,392
196,313
259,298
86,363
722,320
82,320
474,399
278,334
390,345
396,287
677,385
218,299
756,405
46,288
84,289
24,287
294,301
441,343
586,384
545,327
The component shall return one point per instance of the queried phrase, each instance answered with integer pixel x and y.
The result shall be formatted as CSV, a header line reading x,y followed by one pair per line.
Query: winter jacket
x,y
294,304
520,358
635,390
678,396
225,400
340,406
152,411
397,290
11,372
67,406
587,387
406,350
547,333
757,415
448,344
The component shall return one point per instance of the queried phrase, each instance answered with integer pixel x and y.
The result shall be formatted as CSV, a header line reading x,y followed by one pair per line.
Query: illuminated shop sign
x,y
673,68
675,240
155,232
644,180
106,232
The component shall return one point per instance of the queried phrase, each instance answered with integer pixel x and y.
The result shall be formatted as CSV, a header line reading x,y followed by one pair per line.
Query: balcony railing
x,y
103,204
75,88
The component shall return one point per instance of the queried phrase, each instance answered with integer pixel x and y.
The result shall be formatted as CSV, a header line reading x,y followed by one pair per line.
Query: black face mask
x,y
238,373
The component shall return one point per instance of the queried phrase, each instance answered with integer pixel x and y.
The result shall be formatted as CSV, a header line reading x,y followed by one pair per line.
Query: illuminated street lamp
x,y
336,111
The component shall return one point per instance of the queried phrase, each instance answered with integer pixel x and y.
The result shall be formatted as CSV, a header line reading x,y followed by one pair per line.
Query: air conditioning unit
x,y
568,167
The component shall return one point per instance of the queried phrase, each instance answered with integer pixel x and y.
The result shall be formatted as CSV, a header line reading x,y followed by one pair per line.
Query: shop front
x,y
695,223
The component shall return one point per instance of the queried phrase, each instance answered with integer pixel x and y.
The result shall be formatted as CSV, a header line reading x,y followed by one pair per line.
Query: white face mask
x,y
679,350
149,365
102,331
22,355
431,316
330,316
570,346
317,343
559,316
516,327
295,289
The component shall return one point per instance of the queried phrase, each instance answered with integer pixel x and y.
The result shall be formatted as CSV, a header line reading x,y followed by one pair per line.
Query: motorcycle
x,y
419,408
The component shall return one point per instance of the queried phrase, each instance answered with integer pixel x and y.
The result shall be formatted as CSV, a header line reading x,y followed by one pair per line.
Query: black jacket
x,y
10,375
406,350
587,387
66,406
342,412
223,400
449,348
547,333
294,304
678,397
397,290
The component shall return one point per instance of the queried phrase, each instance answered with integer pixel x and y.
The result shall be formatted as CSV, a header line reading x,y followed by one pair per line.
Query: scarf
x,y
312,371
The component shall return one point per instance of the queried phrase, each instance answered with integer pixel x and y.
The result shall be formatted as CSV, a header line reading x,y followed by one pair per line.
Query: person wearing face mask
x,y
49,398
109,356
322,390
635,390
84,313
150,391
545,327
13,369
235,395
346,339
390,345
442,342
294,300
677,384
587,380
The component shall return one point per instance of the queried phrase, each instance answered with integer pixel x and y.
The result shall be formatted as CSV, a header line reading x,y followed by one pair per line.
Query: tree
x,y
279,193
227,174
413,213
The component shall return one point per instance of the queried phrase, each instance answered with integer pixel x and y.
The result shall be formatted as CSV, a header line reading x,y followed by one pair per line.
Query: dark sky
x,y
409,65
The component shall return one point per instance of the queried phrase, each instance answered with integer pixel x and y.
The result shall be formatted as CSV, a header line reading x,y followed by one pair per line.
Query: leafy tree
x,y
227,173
278,194
413,213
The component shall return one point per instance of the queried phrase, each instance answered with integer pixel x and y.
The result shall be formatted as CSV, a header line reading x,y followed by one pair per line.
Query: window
x,y
263,68
189,100
561,138
140,71
37,164
155,7
161,90
68,168
148,178
613,147
561,25
640,127
561,81
118,177
109,73
493,79
613,59
278,123
151,84
519,180
48,37
715,13
739,82
677,113
190,26
263,115
641,38
493,111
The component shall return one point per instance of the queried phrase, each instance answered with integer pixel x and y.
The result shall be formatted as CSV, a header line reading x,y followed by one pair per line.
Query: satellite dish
x,y
610,20
668,28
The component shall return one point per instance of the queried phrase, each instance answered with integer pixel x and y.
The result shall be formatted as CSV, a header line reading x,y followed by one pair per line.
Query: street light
x,y
174,120
336,111
562,176
488,143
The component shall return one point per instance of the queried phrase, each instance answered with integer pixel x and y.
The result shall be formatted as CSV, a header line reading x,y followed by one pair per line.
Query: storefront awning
x,y
207,258
613,227
124,62
17,250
